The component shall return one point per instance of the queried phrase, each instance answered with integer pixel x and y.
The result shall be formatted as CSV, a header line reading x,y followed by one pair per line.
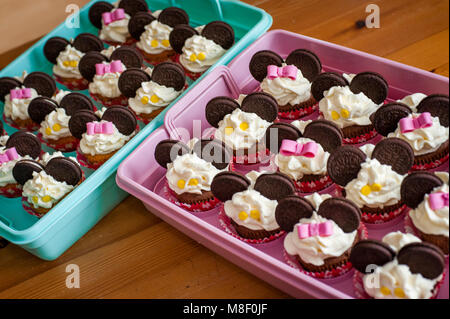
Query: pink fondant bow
x,y
20,94
292,148
99,128
10,155
113,67
116,15
320,229
438,200
288,71
408,124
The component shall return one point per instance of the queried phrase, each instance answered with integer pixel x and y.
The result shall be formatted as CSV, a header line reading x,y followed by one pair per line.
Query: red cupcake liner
x,y
431,165
73,84
121,100
225,222
336,272
361,293
31,128
360,139
252,159
313,186
65,148
298,113
11,192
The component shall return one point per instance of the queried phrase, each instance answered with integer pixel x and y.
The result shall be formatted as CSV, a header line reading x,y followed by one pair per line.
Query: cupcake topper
x,y
115,15
416,185
99,9
20,94
292,148
324,229
93,128
25,143
112,67
84,42
9,155
41,82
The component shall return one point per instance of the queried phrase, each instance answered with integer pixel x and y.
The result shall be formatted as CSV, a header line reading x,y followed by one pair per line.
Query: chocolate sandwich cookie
x,y
138,22
26,143
416,185
64,170
344,164
262,104
24,169
169,74
277,132
386,118
131,80
41,82
53,47
88,62
75,102
290,210
372,84
275,186
213,151
326,133
306,61
226,184
218,107
124,120
325,81
370,252
219,32
78,122
343,212
179,35
133,7
395,152
437,105
40,107
86,42
129,56
6,85
173,17
260,61
168,150
96,11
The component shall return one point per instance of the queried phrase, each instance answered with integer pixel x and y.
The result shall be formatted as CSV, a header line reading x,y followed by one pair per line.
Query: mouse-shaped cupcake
x,y
66,56
53,118
426,194
350,100
288,81
152,31
19,146
242,126
148,94
371,176
398,267
302,151
17,93
191,169
199,50
321,232
426,130
113,19
250,202
101,137
103,73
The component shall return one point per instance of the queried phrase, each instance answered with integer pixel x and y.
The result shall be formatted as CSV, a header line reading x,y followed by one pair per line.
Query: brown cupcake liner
x,y
432,160
294,112
155,59
27,125
253,234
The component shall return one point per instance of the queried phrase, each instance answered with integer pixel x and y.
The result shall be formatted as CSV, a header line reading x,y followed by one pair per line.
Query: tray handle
x,y
215,5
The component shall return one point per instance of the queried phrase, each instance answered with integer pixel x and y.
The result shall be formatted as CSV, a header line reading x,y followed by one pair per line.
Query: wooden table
x,y
133,254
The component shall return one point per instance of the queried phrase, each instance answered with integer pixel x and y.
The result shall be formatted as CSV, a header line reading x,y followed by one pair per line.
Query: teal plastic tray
x,y
52,235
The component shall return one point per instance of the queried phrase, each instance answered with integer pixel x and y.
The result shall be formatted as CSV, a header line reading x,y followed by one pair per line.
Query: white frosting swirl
x,y
165,95
109,51
155,38
55,125
413,100
64,66
17,109
396,240
301,125
47,157
199,45
107,85
116,31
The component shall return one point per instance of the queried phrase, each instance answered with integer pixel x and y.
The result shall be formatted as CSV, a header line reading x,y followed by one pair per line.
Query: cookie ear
x,y
307,62
131,80
40,107
277,132
6,85
167,151
86,42
395,152
75,102
275,186
437,105
324,82
53,47
368,252
220,32
169,74
262,104
416,185
218,107
26,143
342,211
41,82
179,35
173,17
344,164
78,122
290,210
372,84
129,56
138,22
422,258
386,118
64,170
124,119
261,60
88,62
226,184
96,11
132,7
24,169
326,133
213,151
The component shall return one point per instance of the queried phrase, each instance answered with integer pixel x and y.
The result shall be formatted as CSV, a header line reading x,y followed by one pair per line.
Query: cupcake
x,y
199,50
44,186
412,100
17,147
426,194
426,130
242,127
112,20
150,92
398,267
350,106
191,169
103,73
250,202
321,232
66,56
17,93
53,118
371,176
289,82
302,150
101,136
152,33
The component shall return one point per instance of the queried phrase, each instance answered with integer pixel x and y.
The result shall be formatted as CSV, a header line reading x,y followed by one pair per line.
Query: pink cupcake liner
x,y
313,186
65,148
431,165
31,128
336,272
225,223
29,209
360,139
299,113
11,192
121,100
74,84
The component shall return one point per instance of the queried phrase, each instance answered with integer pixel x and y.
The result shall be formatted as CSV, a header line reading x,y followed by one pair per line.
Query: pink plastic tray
x,y
142,177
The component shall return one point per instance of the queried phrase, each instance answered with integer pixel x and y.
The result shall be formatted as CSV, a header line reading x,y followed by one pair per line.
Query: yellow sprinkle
x,y
144,100
204,178
181,183
229,130
154,43
201,56
165,43
254,213
46,199
365,190
193,182
385,291
243,126
66,63
345,114
154,98
48,131
399,293
56,127
243,215
335,115
193,57
376,187
35,199
73,64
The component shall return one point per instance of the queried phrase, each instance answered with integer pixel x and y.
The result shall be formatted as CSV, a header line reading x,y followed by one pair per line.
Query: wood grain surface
x,y
133,254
